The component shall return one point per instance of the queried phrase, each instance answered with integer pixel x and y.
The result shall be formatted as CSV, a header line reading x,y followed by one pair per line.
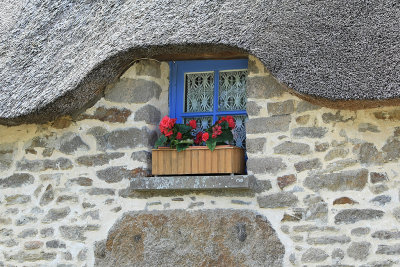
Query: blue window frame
x,y
184,73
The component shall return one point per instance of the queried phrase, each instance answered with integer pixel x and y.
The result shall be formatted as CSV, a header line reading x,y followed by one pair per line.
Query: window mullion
x,y
216,93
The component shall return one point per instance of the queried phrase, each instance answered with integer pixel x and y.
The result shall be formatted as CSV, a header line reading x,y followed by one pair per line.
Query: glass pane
x,y
232,90
239,132
202,123
199,92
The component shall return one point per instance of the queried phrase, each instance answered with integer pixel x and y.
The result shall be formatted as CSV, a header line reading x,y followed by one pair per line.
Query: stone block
x,y
304,106
67,198
72,232
42,165
70,143
360,231
303,120
148,113
310,132
389,249
337,117
133,91
252,108
328,240
338,254
56,214
47,196
321,147
393,115
46,232
265,165
368,127
142,156
340,165
268,125
81,181
95,191
107,114
317,211
30,232
255,145
391,150
292,148
344,200
7,152
98,159
286,180
340,181
148,68
264,87
385,235
314,255
281,108
17,199
381,200
369,154
308,165
23,256
24,220
277,200
377,177
114,174
359,250
16,180
354,215
336,153
33,245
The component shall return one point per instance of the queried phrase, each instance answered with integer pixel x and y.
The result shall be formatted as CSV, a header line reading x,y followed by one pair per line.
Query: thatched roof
x,y
58,55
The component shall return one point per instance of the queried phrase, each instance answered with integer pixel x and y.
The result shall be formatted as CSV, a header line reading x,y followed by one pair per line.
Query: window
x,y
206,90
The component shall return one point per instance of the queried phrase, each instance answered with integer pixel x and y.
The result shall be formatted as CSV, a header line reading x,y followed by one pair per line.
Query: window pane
x,y
199,92
239,133
232,90
202,123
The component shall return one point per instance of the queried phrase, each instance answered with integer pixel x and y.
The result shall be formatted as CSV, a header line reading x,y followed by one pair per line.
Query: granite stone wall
x,y
326,188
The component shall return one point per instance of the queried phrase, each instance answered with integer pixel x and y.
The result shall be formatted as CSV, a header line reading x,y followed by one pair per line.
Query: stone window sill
x,y
244,182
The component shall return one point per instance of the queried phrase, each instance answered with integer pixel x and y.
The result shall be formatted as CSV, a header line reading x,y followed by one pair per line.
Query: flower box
x,y
198,160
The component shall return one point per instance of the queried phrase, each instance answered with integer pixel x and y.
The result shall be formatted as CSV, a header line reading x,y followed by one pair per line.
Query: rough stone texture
x,y
360,231
311,132
42,165
344,200
355,215
150,114
308,165
136,239
16,180
369,154
376,177
336,153
255,145
70,143
30,232
115,174
7,152
144,156
381,200
268,125
325,240
264,87
359,250
314,255
292,148
47,196
81,181
133,91
321,147
252,108
107,114
386,234
17,199
286,180
265,165
391,149
368,127
281,108
337,117
388,249
56,214
304,106
98,159
277,200
338,254
341,181
73,233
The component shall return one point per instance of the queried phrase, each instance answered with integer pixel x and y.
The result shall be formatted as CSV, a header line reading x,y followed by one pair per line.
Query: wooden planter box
x,y
198,160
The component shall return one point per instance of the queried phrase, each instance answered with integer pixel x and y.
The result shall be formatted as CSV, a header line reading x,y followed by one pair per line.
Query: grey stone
x,y
122,138
24,220
340,165
56,214
360,231
286,180
369,154
82,254
7,152
292,148
268,125
81,181
148,68
16,180
42,165
376,177
46,232
30,232
304,106
354,215
47,196
240,231
195,204
95,191
98,159
396,214
368,127
67,198
384,235
308,165
340,181
359,250
240,202
133,91
303,120
321,147
149,113
70,143
114,174
314,255
143,156
336,153
379,188
54,244
281,108
94,214
388,249
317,211
33,245
255,145
264,87
384,263
4,232
310,132
252,108
391,150
277,200
326,240
381,200
17,199
337,254
265,165
72,232
87,205
22,256
330,117
67,256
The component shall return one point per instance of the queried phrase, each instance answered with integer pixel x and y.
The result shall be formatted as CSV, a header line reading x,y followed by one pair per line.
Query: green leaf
x,y
211,144
183,128
160,141
182,146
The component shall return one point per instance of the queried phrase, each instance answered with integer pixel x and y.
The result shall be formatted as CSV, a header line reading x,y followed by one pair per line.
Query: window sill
x,y
243,182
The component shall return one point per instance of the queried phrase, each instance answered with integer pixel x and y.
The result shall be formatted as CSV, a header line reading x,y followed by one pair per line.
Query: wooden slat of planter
x,y
198,160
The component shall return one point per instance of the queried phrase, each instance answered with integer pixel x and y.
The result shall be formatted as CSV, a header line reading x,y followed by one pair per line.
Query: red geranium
x,y
216,131
205,137
179,136
231,122
193,124
198,138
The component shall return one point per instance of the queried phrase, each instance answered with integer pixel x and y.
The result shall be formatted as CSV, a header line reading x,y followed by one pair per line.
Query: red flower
x,y
179,136
216,131
198,138
193,124
205,137
231,122
168,133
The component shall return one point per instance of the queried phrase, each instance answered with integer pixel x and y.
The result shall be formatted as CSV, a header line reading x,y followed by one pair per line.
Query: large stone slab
x,y
197,238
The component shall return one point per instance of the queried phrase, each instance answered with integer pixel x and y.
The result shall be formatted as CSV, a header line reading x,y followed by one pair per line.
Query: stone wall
x,y
326,191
